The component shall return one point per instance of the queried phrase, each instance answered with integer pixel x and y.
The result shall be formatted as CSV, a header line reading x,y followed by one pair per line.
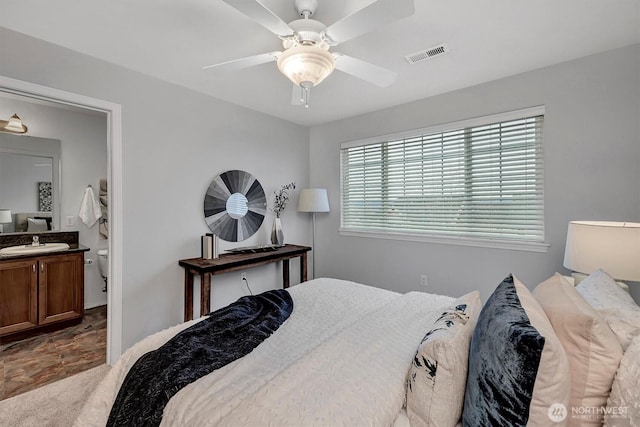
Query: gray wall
x,y
174,141
592,171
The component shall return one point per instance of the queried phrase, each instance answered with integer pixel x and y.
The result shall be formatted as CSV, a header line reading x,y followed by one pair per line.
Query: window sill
x,y
449,240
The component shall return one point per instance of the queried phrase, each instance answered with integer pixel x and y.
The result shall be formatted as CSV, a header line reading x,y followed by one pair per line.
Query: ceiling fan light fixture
x,y
306,59
309,64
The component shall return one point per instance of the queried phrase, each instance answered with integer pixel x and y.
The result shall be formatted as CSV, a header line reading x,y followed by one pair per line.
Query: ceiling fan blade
x,y
255,10
364,70
369,18
249,61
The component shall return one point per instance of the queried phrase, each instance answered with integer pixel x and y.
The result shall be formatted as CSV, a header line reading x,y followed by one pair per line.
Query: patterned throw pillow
x,y
623,406
438,374
614,304
518,370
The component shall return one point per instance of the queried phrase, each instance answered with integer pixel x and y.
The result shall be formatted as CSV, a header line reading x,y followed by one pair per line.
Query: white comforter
x,y
340,359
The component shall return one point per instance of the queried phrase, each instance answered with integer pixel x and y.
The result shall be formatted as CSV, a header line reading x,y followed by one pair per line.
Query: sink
x,y
29,249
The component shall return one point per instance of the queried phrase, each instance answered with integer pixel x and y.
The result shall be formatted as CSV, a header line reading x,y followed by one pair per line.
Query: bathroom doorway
x,y
102,317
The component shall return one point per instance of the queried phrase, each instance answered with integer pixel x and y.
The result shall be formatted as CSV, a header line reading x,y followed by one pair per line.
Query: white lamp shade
x,y
313,200
612,246
5,216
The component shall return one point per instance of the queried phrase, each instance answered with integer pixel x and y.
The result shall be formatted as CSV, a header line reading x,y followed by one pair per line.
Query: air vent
x,y
422,55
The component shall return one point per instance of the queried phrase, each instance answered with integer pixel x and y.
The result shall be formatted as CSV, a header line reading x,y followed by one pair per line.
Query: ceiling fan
x,y
306,59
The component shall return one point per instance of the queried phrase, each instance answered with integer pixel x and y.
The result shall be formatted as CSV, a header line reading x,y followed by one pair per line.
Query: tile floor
x,y
43,359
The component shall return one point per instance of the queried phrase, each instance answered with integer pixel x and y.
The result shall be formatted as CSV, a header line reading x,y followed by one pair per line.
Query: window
x,y
480,180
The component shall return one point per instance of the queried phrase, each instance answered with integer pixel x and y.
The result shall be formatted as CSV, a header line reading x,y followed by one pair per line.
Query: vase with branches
x,y
280,199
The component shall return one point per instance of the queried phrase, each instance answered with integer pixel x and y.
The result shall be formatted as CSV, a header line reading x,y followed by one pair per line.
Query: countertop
x,y
73,248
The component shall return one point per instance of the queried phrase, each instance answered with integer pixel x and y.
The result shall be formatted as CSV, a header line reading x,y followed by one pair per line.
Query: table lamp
x,y
5,218
313,200
611,246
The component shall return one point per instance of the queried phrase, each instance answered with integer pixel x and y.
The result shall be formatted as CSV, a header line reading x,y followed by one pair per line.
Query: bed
x,y
351,354
33,222
339,332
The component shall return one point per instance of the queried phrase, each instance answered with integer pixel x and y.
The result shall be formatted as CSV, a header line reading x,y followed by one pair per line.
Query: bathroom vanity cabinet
x,y
37,292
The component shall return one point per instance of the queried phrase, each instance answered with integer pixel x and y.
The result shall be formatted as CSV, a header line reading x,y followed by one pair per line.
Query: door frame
x,y
114,184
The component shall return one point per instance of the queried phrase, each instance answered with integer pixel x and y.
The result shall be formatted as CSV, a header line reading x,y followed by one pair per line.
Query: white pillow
x,y
623,405
576,278
617,306
438,374
592,348
36,225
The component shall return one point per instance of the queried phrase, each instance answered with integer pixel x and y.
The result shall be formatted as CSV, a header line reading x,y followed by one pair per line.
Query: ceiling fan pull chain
x,y
306,93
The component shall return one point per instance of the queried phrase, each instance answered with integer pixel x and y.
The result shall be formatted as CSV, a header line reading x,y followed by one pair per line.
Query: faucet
x,y
36,241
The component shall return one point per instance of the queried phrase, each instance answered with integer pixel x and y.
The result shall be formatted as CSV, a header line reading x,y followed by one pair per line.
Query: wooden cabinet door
x,y
18,296
61,288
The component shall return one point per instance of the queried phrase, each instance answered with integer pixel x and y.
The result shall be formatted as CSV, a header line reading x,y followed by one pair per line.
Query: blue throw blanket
x,y
226,335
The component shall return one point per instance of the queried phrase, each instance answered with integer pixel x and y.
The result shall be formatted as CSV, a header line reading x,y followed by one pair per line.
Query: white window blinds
x,y
479,181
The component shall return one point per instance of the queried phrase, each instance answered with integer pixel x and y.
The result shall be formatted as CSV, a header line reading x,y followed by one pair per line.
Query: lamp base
x,y
578,277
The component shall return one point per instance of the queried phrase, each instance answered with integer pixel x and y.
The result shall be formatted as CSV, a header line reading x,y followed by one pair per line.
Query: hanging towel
x,y
89,208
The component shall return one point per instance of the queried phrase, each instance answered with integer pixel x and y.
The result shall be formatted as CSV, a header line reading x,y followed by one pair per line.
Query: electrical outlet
x,y
423,280
243,276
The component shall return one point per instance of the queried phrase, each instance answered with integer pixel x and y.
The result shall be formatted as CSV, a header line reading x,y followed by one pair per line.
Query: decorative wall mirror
x,y
234,205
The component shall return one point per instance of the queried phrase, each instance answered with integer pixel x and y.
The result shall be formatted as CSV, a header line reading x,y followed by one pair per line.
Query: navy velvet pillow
x,y
504,358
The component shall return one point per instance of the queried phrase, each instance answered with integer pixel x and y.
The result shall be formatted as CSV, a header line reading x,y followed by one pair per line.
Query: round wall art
x,y
234,205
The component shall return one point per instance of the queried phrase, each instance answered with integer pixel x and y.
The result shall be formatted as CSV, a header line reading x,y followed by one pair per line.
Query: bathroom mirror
x,y
30,181
234,205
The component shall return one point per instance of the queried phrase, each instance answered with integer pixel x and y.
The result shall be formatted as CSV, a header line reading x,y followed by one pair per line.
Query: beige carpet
x,y
54,405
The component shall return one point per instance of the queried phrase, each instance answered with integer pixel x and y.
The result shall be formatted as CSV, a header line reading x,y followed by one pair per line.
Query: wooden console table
x,y
206,268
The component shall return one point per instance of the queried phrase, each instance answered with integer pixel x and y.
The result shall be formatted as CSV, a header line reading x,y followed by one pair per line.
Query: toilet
x,y
103,266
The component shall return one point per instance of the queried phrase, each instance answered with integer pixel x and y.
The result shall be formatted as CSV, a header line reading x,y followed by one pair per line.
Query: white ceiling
x,y
173,39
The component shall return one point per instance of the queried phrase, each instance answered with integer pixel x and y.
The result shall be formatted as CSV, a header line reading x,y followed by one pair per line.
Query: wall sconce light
x,y
13,125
